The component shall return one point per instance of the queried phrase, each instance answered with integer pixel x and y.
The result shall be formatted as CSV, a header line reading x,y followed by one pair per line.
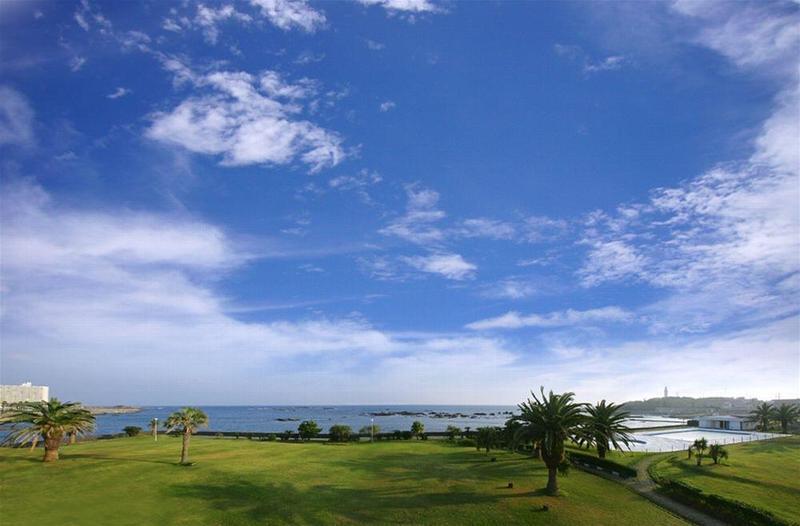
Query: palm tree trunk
x,y
34,443
552,480
73,438
51,445
185,448
601,451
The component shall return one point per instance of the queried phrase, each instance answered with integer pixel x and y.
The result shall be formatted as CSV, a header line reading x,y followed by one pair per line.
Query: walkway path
x,y
644,486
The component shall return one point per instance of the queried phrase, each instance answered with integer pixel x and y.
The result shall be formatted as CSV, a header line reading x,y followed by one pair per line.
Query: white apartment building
x,y
10,394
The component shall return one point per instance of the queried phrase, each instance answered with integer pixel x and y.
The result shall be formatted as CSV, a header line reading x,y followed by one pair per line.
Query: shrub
x,y
397,434
605,464
466,442
271,437
453,432
286,435
132,431
340,433
406,435
728,510
308,429
370,430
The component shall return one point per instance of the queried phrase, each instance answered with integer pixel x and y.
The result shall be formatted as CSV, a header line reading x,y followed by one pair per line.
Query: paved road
x,y
644,486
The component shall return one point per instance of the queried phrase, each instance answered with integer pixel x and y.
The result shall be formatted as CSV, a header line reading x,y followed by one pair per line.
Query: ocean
x,y
388,417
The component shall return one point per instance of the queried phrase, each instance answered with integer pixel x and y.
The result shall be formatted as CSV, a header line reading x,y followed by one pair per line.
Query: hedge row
x,y
729,510
602,463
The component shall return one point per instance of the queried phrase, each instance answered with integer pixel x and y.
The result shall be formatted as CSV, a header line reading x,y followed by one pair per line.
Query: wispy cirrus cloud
x,y
569,317
16,118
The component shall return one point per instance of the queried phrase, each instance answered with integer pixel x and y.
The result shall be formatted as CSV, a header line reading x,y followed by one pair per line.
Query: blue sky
x,y
399,201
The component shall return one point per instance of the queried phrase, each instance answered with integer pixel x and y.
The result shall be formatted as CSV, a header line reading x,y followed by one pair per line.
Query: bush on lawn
x,y
340,433
132,431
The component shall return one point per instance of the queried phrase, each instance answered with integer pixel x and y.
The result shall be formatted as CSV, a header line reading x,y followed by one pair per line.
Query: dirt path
x,y
644,486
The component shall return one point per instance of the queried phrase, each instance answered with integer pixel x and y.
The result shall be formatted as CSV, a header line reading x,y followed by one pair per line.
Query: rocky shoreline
x,y
113,410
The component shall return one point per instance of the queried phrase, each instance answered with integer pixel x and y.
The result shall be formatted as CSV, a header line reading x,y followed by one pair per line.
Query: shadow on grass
x,y
270,502
468,466
717,471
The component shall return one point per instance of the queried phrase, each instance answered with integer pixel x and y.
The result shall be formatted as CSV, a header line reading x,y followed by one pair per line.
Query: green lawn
x,y
764,474
137,482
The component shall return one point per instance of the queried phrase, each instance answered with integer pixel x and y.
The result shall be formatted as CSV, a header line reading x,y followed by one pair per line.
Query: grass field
x,y
764,474
134,481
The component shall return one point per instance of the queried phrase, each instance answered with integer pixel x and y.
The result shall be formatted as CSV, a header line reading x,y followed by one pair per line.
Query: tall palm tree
x,y
786,414
154,428
605,425
700,445
548,422
187,420
763,414
50,421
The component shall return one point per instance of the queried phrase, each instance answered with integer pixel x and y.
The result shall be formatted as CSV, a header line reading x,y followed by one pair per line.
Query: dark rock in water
x,y
510,485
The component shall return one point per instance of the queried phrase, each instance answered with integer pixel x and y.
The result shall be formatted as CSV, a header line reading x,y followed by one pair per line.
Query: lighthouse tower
x,y
666,393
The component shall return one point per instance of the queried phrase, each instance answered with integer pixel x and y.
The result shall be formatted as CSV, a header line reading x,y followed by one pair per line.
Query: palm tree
x,y
187,420
700,445
763,414
50,421
786,414
717,452
604,425
548,422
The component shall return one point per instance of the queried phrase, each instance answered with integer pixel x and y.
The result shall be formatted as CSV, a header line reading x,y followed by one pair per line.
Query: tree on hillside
x,y
49,421
308,429
786,415
604,425
762,415
486,438
417,428
186,421
548,422
717,452
700,445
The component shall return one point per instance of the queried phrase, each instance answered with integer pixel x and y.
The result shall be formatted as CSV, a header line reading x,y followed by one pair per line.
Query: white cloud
x,y
374,45
511,289
418,224
118,93
208,18
610,63
450,266
724,243
76,63
16,118
386,106
410,6
290,14
487,228
569,317
247,119
589,65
